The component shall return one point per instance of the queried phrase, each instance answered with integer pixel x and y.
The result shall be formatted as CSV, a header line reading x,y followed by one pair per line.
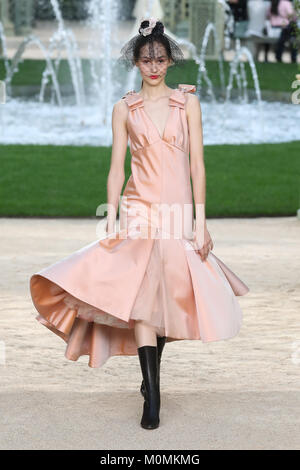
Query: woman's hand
x,y
110,228
203,249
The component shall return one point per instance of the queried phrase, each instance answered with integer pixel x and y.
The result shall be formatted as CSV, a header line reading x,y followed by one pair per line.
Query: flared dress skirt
x,y
148,270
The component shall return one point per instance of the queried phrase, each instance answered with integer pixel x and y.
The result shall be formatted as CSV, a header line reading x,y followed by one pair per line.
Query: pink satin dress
x,y
145,271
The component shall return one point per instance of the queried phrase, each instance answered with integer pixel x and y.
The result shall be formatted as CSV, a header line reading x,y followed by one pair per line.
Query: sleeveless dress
x,y
145,271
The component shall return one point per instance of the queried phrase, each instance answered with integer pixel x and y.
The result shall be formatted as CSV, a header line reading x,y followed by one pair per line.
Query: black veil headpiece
x,y
150,30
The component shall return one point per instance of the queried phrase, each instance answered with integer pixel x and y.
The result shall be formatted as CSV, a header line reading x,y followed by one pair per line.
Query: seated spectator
x,y
239,9
282,15
240,15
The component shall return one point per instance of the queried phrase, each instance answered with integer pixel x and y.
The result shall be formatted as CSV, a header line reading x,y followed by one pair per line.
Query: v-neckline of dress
x,y
162,137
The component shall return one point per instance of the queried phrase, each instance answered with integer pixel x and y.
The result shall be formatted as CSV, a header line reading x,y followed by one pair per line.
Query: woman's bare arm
x,y
194,118
116,175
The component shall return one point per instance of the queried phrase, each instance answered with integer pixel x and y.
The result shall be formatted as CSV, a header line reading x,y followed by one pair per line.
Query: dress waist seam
x,y
133,152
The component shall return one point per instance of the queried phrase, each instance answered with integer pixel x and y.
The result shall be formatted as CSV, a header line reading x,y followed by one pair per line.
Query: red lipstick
x,y
153,76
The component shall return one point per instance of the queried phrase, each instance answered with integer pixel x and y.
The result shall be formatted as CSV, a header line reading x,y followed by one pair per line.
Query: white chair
x,y
257,13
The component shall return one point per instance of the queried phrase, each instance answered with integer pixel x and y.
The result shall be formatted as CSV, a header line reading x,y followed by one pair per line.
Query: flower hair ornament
x,y
150,30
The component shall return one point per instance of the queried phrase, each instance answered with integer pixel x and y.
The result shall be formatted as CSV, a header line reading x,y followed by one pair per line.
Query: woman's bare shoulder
x,y
192,98
120,109
120,104
192,104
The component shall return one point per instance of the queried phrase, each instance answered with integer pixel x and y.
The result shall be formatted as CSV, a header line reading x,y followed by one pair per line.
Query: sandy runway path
x,y
242,393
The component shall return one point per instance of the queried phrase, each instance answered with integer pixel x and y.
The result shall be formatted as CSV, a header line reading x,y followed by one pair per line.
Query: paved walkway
x,y
237,394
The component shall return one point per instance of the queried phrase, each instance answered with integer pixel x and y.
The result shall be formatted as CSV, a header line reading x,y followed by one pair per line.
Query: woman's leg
x,y
293,41
161,341
267,48
287,34
146,342
280,44
144,334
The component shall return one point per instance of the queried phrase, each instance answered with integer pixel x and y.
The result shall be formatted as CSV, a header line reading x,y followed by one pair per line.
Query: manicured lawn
x,y
272,76
242,180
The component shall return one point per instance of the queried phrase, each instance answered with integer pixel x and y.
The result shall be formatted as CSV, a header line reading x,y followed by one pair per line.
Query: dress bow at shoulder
x,y
187,88
133,99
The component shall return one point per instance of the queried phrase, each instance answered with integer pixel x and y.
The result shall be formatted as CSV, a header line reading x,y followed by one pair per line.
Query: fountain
x,y
85,117
64,38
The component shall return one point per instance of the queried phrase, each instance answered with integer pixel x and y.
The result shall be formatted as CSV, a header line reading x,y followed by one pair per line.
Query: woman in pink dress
x,y
282,15
155,279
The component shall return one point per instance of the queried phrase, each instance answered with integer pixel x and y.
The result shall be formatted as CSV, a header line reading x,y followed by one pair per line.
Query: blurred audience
x,y
281,24
282,15
239,9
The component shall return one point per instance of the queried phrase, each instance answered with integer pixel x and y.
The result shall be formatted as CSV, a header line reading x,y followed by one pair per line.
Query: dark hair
x,y
157,35
130,52
274,7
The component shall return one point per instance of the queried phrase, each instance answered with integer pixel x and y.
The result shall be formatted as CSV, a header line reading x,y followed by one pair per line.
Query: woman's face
x,y
153,70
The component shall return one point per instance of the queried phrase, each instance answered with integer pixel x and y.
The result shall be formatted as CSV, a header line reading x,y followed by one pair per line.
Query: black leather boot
x,y
149,366
161,340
